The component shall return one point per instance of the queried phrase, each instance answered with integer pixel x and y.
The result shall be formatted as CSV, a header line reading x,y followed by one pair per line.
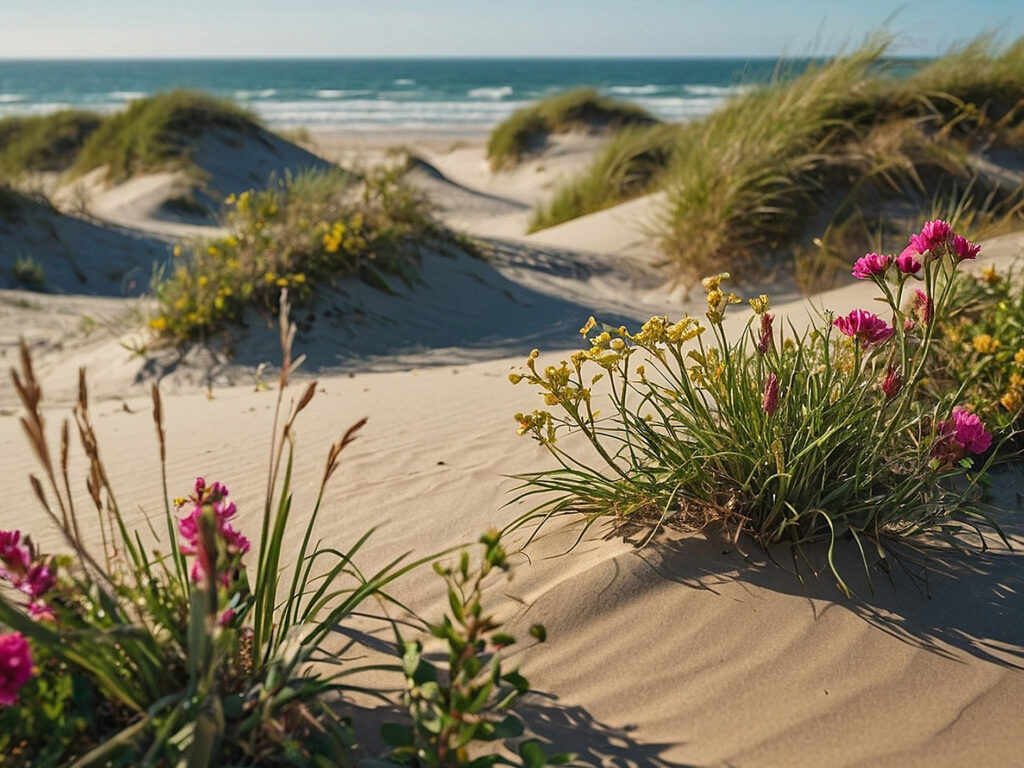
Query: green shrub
x,y
790,438
29,273
583,110
304,230
44,143
632,164
206,654
984,336
158,132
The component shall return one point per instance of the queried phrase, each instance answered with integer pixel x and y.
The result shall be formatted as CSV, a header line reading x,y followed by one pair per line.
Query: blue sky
x,y
185,28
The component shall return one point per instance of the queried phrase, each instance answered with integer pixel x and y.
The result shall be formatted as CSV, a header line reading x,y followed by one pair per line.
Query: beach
x,y
690,650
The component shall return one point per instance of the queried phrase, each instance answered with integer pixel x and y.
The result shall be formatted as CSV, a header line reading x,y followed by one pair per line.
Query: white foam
x,y
266,93
490,93
716,90
10,98
405,81
635,90
127,95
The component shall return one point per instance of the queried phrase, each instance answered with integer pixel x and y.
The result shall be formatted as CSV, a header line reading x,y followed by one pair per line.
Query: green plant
x,y
158,132
788,438
583,109
471,704
301,232
984,335
29,273
176,658
44,143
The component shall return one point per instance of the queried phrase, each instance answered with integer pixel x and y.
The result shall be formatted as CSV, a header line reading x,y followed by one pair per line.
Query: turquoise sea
x,y
380,93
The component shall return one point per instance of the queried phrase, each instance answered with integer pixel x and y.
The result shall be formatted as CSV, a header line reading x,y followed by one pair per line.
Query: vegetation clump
x,y
824,157
159,132
44,143
300,234
207,648
580,110
790,438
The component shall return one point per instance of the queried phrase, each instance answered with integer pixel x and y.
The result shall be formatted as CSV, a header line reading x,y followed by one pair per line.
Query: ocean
x,y
381,94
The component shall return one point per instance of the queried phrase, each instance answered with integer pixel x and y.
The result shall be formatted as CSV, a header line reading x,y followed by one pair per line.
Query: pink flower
x,y
893,383
970,431
924,308
770,403
963,433
871,264
15,666
867,328
935,234
907,262
764,342
964,248
14,557
235,544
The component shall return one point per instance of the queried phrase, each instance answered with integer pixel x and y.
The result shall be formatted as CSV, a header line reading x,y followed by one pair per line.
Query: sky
x,y
287,28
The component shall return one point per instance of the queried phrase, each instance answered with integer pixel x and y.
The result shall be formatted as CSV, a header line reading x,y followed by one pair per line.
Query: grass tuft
x,y
158,132
44,143
580,110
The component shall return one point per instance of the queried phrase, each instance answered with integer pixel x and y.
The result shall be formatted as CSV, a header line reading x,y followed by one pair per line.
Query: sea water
x,y
385,94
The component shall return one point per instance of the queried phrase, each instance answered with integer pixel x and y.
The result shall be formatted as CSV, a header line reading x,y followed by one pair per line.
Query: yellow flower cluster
x,y
985,344
539,423
718,300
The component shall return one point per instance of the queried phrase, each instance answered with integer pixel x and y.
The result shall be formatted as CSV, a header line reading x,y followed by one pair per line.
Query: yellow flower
x,y
270,278
158,323
230,199
587,326
1019,357
550,399
761,304
985,344
212,250
515,378
1012,400
177,250
989,274
298,278
232,241
282,282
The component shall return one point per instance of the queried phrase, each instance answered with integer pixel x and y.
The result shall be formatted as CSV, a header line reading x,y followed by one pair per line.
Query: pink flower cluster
x,y
964,433
935,240
870,265
764,341
32,576
867,328
15,666
234,543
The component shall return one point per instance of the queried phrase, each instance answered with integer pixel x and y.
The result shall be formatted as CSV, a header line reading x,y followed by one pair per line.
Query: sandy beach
x,y
687,652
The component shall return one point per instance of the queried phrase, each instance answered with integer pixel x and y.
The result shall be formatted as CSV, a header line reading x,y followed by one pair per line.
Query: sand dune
x,y
681,653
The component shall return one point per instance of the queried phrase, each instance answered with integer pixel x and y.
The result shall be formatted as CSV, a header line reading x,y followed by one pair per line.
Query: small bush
x,y
158,132
29,273
44,143
983,337
632,164
790,438
302,232
581,110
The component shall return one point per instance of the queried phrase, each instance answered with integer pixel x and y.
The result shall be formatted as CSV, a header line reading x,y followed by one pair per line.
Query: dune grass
x,y
583,109
44,143
301,233
821,158
158,132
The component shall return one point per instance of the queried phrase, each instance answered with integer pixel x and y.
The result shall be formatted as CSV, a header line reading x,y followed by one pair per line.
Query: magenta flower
x,y
907,262
871,264
970,431
892,384
15,666
964,248
935,234
764,342
770,403
924,308
14,557
234,543
869,329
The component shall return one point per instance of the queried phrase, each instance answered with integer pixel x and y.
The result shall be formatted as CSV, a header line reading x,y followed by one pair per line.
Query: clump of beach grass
x,y
45,142
158,133
583,109
823,157
301,233
790,437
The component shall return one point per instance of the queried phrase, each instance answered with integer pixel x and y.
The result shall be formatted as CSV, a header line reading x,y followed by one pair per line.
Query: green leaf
x,y
396,735
538,632
532,754
509,728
